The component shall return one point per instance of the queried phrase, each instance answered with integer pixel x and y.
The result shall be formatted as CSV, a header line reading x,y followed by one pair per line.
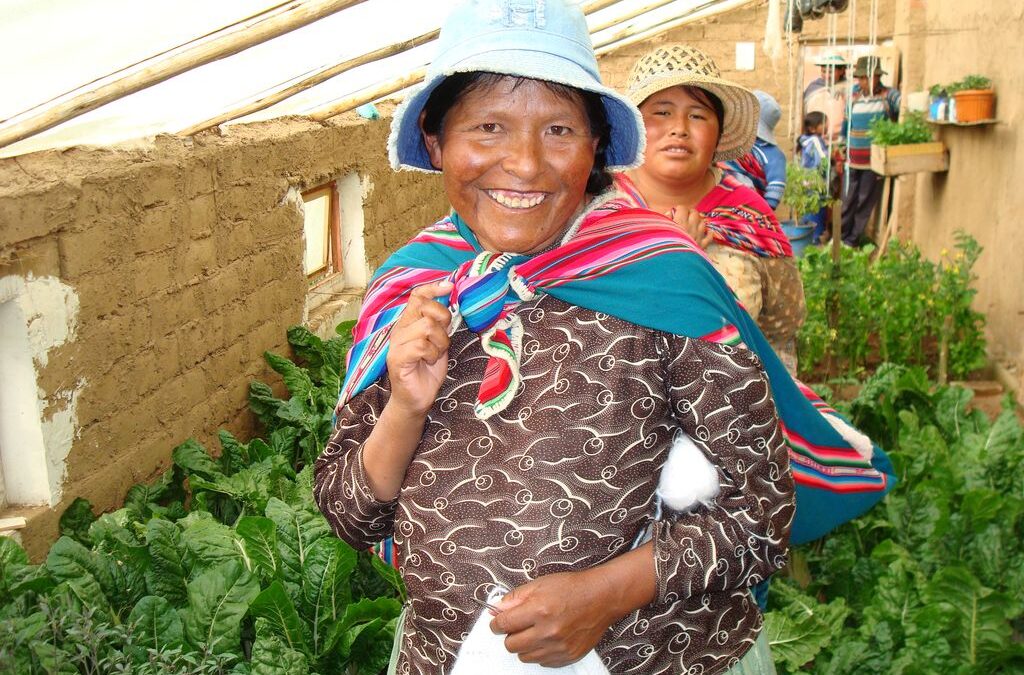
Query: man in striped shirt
x,y
870,100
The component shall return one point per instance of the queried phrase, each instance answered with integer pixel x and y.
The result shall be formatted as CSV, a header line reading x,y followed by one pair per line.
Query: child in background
x,y
813,154
764,167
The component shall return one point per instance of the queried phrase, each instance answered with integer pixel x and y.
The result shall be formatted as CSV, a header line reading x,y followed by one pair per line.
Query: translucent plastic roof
x,y
51,47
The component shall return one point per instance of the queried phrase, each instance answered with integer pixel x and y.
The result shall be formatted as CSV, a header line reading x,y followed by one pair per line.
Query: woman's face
x,y
515,159
682,134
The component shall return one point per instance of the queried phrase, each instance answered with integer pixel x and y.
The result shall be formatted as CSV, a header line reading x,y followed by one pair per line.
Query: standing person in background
x,y
813,154
693,119
764,167
829,94
871,100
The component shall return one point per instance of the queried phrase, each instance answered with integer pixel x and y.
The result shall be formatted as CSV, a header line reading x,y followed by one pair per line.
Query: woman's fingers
x,y
423,302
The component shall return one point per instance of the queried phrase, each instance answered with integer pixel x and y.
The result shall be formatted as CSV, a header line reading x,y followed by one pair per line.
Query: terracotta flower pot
x,y
973,105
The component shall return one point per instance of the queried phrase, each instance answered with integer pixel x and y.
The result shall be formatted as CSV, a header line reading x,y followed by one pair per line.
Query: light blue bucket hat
x,y
769,116
536,39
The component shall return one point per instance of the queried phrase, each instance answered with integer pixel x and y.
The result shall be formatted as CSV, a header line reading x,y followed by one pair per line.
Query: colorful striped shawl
x,y
737,216
617,255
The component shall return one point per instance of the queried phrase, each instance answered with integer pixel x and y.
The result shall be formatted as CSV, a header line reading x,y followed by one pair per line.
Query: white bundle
x,y
484,652
688,477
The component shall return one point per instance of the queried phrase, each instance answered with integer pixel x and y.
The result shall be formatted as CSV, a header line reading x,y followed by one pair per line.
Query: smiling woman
x,y
516,155
522,371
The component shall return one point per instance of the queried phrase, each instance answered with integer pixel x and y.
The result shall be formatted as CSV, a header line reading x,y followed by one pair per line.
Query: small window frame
x,y
333,267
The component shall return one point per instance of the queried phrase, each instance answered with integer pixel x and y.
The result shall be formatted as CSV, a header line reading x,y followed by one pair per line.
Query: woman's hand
x,y
554,620
418,356
693,224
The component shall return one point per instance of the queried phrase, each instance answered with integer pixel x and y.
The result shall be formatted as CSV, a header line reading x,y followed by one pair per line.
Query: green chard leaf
x,y
217,600
259,537
76,519
264,404
195,461
210,543
275,606
297,530
295,378
69,561
977,622
325,587
803,626
168,570
156,624
270,655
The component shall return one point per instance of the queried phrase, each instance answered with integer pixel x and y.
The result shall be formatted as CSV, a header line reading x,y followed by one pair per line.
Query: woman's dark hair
x,y
454,87
710,100
814,119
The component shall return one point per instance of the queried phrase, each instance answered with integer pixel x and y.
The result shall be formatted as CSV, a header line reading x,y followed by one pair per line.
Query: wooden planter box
x,y
893,160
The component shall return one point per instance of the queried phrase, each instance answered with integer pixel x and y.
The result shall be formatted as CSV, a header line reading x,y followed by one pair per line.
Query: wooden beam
x,y
631,15
321,75
370,94
597,5
360,98
269,24
633,35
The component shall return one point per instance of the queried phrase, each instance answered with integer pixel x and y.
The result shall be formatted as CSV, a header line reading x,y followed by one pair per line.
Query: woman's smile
x,y
516,200
515,158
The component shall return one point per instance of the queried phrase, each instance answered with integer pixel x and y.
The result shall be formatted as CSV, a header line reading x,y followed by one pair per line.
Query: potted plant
x,y
975,99
938,103
905,147
806,193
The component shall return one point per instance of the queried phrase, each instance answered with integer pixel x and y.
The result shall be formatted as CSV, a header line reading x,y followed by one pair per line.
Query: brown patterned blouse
x,y
564,479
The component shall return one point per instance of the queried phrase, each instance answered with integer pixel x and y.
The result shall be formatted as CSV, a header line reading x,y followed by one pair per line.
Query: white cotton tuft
x,y
688,477
860,442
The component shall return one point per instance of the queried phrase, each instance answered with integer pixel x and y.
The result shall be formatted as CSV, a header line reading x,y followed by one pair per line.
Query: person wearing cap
x,y
764,167
695,118
524,369
828,93
870,100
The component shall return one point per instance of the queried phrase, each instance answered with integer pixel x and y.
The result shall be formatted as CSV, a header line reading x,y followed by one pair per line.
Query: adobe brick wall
x,y
186,257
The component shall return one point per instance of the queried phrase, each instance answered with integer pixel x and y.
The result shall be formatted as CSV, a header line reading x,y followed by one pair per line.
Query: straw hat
x,y
674,65
536,39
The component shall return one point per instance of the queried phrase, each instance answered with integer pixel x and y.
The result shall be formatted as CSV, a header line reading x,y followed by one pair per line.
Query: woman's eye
x,y
559,130
698,116
489,127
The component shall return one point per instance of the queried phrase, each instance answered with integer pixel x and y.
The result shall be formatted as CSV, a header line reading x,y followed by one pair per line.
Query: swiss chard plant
x,y
932,579
222,565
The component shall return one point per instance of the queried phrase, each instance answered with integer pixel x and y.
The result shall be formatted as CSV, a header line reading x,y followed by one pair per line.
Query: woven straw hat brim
x,y
741,109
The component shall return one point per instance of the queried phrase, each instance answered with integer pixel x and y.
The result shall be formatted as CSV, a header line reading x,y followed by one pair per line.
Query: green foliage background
x,y
223,565
893,309
932,579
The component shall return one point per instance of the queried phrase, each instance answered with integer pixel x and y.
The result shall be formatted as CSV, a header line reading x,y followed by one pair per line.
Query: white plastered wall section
x,y
36,316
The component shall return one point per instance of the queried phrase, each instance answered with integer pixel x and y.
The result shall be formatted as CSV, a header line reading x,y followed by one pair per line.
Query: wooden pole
x,y
320,76
415,77
597,5
372,94
230,40
327,73
631,15
630,36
